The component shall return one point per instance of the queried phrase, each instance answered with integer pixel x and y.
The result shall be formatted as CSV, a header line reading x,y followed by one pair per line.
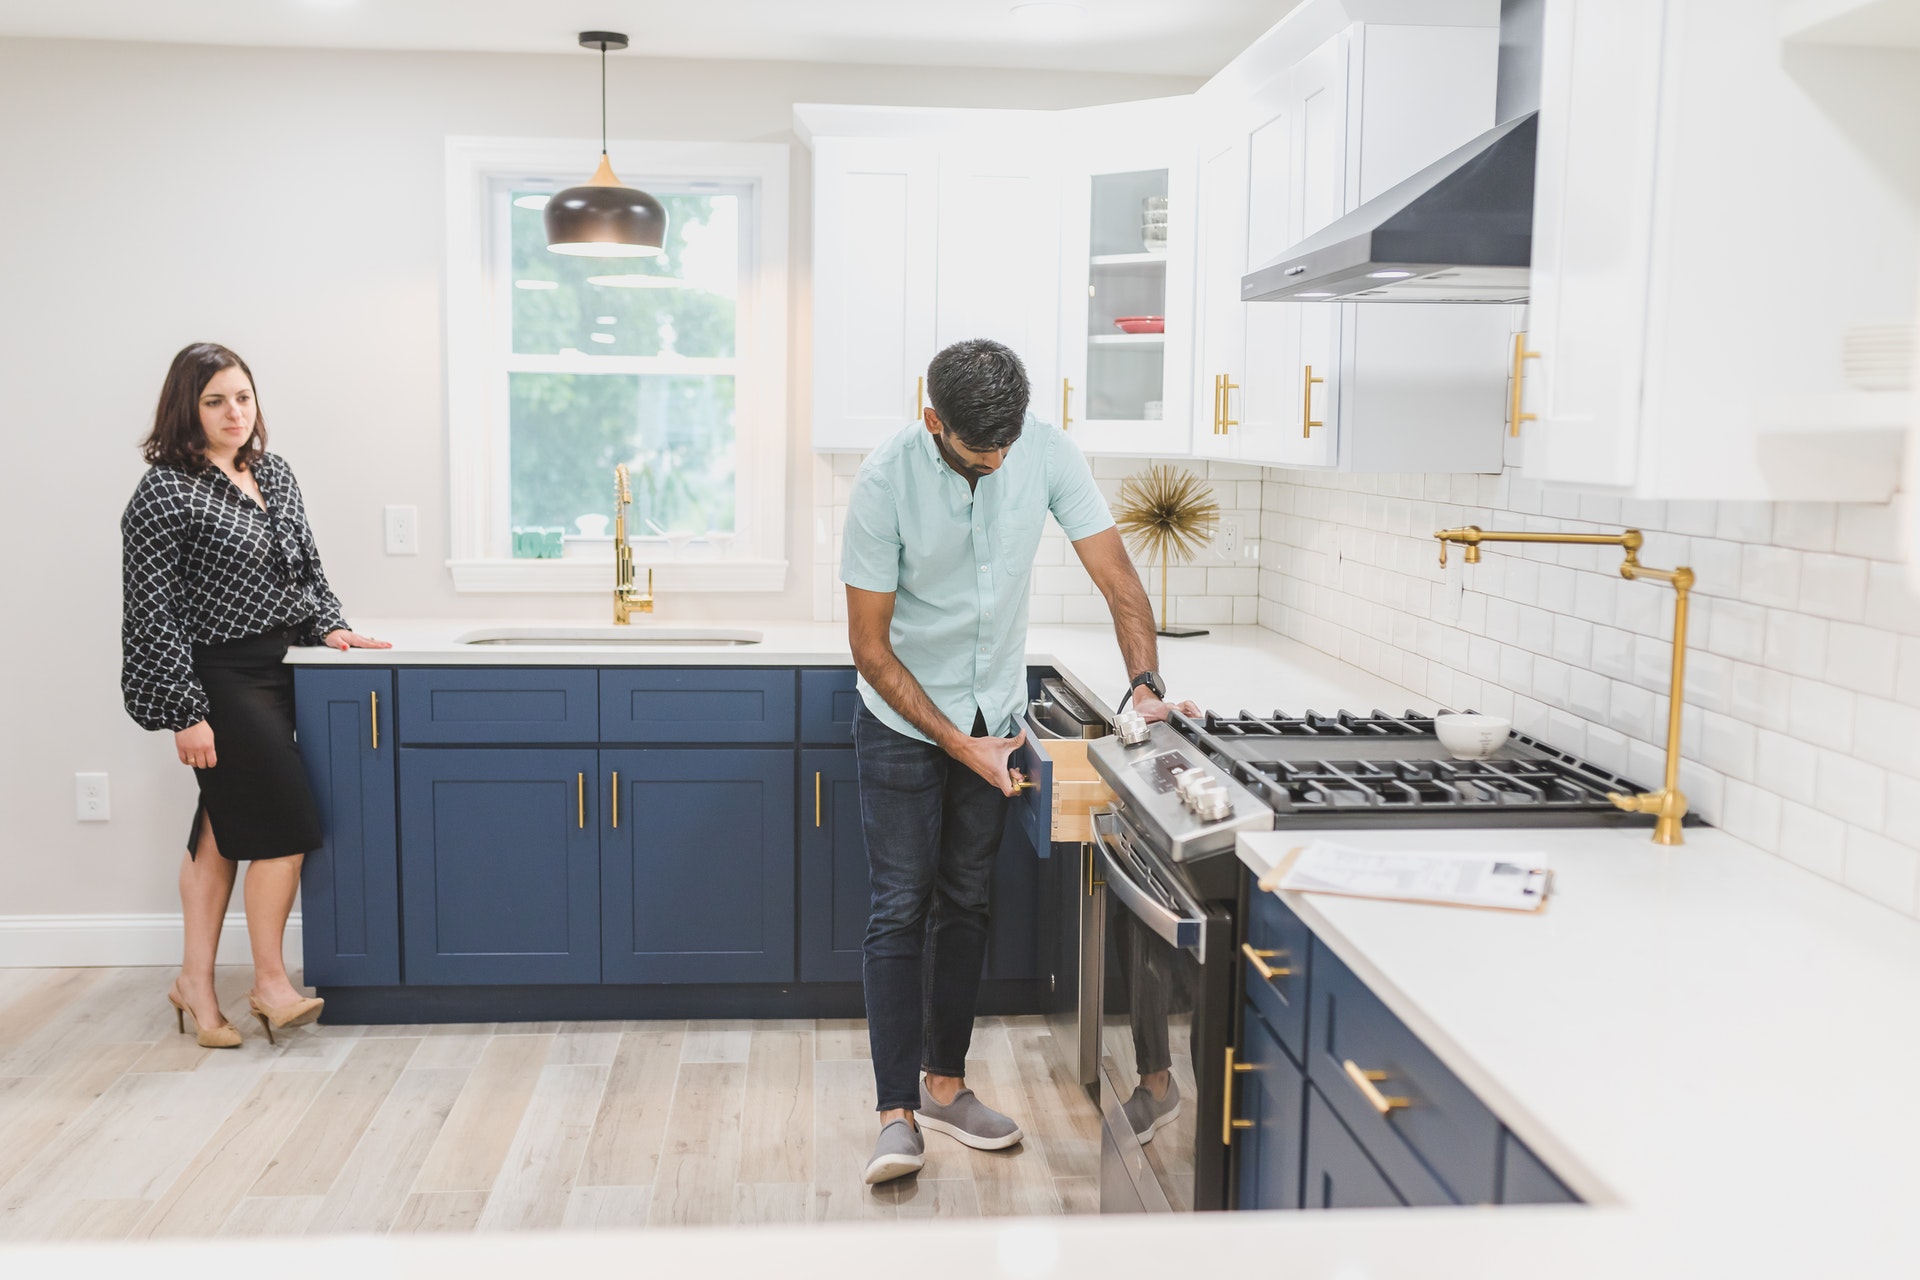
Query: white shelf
x,y
1842,447
1128,260
1882,24
1128,340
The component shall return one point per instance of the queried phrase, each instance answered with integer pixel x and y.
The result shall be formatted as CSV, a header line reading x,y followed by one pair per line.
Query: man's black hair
x,y
979,388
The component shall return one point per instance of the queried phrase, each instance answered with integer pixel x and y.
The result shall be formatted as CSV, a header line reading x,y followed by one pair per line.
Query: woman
x,y
220,575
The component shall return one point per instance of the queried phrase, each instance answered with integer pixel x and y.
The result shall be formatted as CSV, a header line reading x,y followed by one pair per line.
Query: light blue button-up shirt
x,y
958,562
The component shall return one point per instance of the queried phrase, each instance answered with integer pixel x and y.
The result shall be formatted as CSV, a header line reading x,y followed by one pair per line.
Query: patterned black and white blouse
x,y
201,563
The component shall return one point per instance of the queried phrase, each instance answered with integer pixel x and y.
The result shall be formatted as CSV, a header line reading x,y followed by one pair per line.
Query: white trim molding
x,y
477,462
86,941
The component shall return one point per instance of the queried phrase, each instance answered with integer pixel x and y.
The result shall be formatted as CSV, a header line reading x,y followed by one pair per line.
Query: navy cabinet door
x,y
828,698
515,706
1013,945
1338,1173
717,704
834,893
1272,1097
1525,1180
350,885
500,865
698,877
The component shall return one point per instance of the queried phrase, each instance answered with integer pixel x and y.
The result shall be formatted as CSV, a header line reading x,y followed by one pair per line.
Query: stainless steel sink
x,y
602,637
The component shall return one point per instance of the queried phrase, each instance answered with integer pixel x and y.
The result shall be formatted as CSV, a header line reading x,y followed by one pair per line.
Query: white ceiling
x,y
1168,37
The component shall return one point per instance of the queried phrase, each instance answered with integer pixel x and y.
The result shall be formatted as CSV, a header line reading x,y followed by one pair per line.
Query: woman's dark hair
x,y
177,439
979,389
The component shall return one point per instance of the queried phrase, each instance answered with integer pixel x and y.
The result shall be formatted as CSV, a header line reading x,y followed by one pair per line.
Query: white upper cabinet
x,y
875,262
1710,241
1125,308
1290,140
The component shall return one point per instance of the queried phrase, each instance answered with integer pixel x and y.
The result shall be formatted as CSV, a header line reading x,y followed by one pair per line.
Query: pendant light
x,y
602,218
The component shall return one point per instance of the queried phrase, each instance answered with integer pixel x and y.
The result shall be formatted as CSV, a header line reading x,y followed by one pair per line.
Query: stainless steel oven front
x,y
1166,1023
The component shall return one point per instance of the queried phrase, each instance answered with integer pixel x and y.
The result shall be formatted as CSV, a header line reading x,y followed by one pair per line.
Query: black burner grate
x,y
1345,724
1409,784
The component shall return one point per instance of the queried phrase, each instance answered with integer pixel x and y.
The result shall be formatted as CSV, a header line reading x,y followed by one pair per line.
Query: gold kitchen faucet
x,y
627,600
1669,803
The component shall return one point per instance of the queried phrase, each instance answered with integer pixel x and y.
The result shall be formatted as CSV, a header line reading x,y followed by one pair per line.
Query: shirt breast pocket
x,y
1019,543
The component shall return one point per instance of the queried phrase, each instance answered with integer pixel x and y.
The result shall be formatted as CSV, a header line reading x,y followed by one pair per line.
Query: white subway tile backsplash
x,y
1862,659
1752,814
1613,653
1850,789
1834,586
1881,869
1890,604
1820,713
1871,530
1796,643
1737,521
1806,526
1887,734
1738,631
1727,745
1813,839
1557,588
1770,576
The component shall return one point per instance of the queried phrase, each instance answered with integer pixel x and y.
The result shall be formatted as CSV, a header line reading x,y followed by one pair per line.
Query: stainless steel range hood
x,y
1460,230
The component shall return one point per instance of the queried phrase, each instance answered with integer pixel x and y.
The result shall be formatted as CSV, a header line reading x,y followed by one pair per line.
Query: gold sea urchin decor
x,y
1165,512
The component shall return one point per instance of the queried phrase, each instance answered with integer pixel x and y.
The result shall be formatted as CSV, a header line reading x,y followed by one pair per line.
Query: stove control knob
x,y
1212,804
1131,728
1190,782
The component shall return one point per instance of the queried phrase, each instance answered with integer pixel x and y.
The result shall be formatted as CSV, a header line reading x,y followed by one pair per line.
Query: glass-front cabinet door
x,y
1126,304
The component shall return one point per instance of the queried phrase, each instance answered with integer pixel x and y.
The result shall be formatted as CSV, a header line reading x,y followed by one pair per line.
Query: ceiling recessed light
x,y
1048,19
531,202
1388,275
1313,295
536,284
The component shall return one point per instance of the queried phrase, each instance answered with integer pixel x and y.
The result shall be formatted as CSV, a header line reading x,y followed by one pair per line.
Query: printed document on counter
x,y
1507,882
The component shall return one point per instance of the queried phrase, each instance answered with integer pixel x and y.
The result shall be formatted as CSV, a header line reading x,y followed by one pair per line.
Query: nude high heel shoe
x,y
222,1037
280,1017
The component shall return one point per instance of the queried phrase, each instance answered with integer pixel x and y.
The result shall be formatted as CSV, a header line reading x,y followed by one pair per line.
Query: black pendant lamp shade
x,y
602,218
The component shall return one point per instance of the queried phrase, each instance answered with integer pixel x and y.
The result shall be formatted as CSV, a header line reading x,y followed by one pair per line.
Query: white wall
x,y
289,204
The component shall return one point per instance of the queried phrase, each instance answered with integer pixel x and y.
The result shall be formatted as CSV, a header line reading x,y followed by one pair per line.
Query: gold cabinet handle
x,y
1023,784
920,397
616,797
1218,413
1258,959
1364,1082
1093,881
1515,416
1227,1123
1066,405
580,797
373,715
1307,423
816,798
1227,387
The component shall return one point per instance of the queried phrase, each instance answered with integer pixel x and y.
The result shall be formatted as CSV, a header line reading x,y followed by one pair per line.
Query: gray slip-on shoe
x,y
898,1153
968,1120
1147,1114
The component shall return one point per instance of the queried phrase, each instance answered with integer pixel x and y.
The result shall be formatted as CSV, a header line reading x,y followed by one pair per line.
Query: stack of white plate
x,y
1879,357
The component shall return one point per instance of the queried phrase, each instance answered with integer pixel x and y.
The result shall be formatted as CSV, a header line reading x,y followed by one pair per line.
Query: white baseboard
x,y
39,942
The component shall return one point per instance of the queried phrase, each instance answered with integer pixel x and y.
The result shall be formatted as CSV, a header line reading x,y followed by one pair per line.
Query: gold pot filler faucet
x,y
1669,803
626,599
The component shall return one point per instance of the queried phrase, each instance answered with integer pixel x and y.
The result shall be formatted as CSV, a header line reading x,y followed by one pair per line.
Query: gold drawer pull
x,y
816,798
1258,959
1227,387
373,714
1227,1123
919,398
1520,357
1364,1081
1307,421
1066,405
1093,881
1023,784
616,797
580,796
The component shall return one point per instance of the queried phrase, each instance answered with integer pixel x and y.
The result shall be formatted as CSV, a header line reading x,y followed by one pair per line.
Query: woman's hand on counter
x,y
195,745
344,640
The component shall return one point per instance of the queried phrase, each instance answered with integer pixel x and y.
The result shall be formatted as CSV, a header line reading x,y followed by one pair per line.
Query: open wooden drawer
x,y
1057,808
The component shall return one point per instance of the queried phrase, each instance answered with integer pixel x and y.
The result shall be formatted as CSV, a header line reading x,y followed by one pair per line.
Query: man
x,y
941,531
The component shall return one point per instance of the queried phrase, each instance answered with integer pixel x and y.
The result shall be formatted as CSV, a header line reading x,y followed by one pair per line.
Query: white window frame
x,y
477,313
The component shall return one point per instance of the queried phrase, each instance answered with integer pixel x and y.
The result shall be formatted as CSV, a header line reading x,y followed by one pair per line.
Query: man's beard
x,y
958,463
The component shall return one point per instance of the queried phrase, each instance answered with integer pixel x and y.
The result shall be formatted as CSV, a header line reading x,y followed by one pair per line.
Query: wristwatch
x,y
1155,685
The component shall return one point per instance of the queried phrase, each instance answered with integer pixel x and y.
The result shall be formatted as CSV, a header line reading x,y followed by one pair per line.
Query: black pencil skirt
x,y
256,794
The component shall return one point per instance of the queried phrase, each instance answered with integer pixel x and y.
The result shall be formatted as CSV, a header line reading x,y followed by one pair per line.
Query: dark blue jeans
x,y
932,828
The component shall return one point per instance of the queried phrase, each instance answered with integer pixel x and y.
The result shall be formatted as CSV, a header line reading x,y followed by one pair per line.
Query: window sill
x,y
584,577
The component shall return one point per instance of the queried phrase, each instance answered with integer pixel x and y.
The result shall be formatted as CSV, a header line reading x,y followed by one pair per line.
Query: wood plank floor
x,y
114,1126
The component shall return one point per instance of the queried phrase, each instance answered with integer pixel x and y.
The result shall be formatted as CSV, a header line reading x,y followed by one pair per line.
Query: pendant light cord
x,y
603,97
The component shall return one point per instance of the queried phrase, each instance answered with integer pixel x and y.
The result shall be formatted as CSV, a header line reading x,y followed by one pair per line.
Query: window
x,y
561,367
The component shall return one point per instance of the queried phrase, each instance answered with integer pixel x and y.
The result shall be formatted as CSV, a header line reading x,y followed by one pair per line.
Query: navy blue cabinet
x,y
1524,1180
500,867
1013,950
673,704
517,705
1271,1098
828,698
697,878
350,885
1338,1173
834,892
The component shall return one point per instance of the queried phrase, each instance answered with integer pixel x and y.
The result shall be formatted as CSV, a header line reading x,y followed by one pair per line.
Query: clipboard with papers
x,y
1442,877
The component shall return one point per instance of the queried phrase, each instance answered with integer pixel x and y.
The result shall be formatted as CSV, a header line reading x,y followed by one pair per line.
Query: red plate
x,y
1141,324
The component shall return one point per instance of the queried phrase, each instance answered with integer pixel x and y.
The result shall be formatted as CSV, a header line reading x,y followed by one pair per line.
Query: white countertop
x,y
1710,1043
1214,670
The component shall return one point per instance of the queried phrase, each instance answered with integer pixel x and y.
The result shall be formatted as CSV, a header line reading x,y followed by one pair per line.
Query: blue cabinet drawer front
x,y
1338,1173
1524,1180
499,704
1033,807
1283,943
668,704
350,885
828,698
1272,1098
1443,1146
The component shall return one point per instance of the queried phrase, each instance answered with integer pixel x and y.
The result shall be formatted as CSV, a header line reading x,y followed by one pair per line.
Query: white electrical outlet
x,y
1229,537
90,797
403,531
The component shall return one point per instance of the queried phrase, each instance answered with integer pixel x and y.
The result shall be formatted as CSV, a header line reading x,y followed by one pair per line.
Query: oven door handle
x,y
1184,932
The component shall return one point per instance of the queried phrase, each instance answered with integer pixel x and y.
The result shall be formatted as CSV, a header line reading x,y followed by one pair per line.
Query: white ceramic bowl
x,y
1471,737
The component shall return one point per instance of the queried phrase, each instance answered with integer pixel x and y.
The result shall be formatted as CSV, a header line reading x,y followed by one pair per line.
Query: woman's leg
x,y
271,884
206,884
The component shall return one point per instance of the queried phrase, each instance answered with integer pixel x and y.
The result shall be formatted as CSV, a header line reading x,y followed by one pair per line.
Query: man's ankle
x,y
898,1113
945,1088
